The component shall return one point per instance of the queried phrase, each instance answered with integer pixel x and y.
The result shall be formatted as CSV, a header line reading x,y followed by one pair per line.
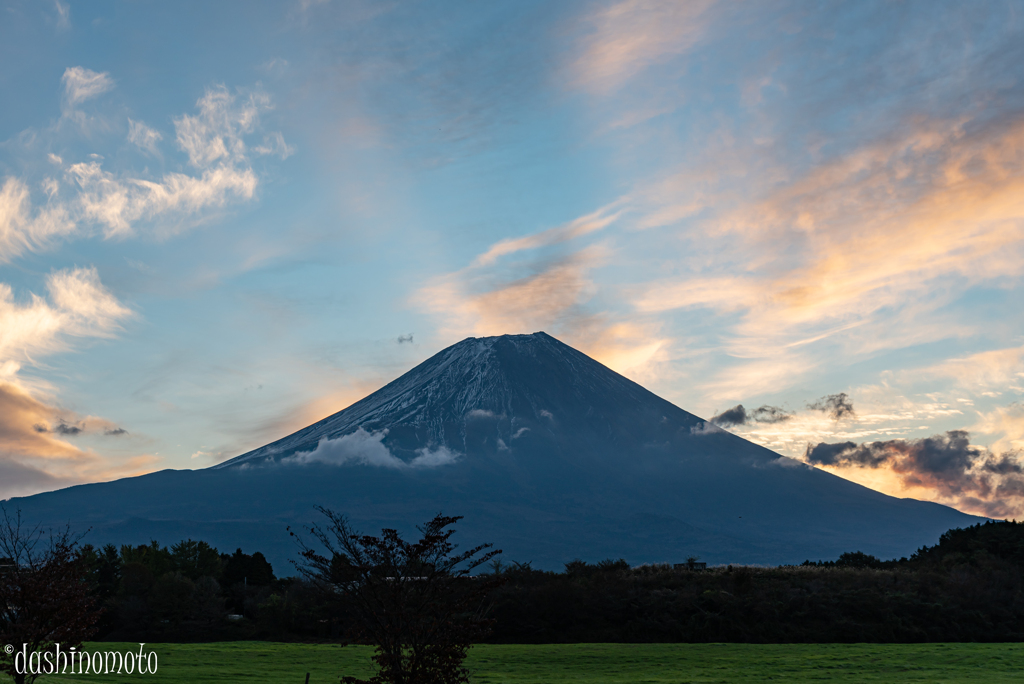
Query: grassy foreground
x,y
593,663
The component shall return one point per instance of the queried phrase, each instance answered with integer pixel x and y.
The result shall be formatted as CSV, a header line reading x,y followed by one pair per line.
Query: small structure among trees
x,y
416,601
692,563
44,596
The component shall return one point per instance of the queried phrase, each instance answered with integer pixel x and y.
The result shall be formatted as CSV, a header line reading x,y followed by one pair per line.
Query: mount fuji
x,y
547,453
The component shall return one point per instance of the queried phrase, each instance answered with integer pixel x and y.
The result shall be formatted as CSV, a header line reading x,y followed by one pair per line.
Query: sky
x,y
221,222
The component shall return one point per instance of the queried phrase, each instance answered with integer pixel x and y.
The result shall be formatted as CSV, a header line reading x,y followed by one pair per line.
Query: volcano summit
x,y
546,452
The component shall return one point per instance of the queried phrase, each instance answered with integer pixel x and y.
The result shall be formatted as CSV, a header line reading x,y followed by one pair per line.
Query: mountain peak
x,y
530,381
542,449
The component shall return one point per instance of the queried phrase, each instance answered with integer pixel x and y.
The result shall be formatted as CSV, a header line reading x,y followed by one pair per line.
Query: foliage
x,y
415,601
967,587
245,569
44,596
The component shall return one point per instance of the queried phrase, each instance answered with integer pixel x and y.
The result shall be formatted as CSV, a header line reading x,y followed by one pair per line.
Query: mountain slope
x,y
546,452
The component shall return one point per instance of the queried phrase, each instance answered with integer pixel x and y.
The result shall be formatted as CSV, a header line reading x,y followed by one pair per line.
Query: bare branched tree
x,y
44,596
417,602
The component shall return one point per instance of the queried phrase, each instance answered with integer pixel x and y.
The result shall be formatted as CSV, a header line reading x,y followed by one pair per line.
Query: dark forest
x,y
968,587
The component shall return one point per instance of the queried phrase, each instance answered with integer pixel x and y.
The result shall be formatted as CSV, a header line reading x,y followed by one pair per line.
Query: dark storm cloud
x,y
116,432
947,456
770,414
738,415
65,429
402,339
61,429
842,453
835,405
948,463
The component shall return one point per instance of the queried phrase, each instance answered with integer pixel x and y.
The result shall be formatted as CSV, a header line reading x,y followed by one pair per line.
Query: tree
x,y
44,595
242,568
196,559
417,602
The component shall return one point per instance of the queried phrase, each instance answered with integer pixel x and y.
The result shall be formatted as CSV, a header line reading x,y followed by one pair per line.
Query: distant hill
x,y
546,452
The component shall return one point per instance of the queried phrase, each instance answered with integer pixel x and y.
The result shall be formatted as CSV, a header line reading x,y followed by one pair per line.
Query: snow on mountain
x,y
546,452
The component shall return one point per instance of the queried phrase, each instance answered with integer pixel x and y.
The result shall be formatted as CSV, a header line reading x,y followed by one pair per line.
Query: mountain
x,y
546,452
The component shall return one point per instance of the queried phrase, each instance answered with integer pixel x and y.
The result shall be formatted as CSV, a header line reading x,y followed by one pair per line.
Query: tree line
x,y
967,587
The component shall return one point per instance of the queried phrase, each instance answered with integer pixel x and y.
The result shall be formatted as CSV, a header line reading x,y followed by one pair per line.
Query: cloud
x,y
854,255
579,227
144,137
995,369
948,465
115,432
770,414
88,196
368,448
24,428
18,479
24,229
630,36
540,300
553,295
706,428
81,84
214,141
402,339
217,131
63,15
433,458
79,306
738,415
32,428
274,144
836,406
118,204
1007,422
360,447
65,429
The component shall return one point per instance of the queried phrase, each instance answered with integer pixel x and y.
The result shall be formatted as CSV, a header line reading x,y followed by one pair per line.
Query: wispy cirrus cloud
x,y
485,304
118,205
144,137
35,452
497,294
579,227
26,228
989,372
63,11
85,197
627,37
81,84
79,306
832,255
1006,424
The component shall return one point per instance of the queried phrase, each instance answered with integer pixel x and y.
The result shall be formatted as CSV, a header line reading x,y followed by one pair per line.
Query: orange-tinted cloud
x,y
833,254
629,36
26,426
555,295
948,467
584,225
37,450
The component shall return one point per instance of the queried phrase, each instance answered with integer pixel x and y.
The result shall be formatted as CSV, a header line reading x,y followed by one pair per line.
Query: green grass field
x,y
593,663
